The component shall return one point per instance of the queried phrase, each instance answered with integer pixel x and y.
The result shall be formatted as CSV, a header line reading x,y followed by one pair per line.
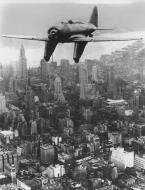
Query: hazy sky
x,y
34,18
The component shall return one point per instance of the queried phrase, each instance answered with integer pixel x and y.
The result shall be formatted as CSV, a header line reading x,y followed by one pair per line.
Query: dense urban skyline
x,y
72,126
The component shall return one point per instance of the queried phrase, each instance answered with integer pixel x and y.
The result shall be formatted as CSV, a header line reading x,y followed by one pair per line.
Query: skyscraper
x,y
94,73
83,73
11,85
90,63
111,86
2,104
51,68
47,153
2,83
58,93
43,69
64,70
22,65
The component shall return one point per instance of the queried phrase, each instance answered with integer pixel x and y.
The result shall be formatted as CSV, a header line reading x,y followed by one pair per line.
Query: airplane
x,y
75,32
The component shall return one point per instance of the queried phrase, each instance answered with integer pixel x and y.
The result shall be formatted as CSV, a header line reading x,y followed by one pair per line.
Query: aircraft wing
x,y
100,39
26,38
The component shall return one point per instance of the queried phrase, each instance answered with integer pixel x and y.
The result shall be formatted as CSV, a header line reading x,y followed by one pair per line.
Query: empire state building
x,y
22,64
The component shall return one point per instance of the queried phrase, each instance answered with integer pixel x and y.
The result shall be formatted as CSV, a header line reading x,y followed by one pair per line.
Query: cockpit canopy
x,y
72,22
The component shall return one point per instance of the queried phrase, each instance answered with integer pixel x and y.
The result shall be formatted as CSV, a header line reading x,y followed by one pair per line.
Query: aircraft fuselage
x,y
78,33
64,31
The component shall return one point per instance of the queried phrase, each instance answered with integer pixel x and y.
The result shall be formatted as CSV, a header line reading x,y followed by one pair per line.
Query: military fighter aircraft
x,y
67,32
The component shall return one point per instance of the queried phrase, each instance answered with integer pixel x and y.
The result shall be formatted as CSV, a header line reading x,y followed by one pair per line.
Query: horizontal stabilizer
x,y
26,38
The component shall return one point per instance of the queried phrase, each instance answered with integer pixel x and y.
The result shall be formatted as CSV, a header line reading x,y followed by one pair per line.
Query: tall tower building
x,y
64,69
94,73
51,68
111,86
83,73
43,69
2,83
47,154
58,93
2,104
22,66
90,63
140,62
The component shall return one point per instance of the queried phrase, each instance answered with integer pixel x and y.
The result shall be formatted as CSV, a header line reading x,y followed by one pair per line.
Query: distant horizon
x,y
63,58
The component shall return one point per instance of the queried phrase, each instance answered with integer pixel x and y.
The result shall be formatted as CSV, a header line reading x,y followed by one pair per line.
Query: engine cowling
x,y
53,33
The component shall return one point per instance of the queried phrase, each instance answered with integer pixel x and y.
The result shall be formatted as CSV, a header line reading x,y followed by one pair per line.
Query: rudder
x,y
94,17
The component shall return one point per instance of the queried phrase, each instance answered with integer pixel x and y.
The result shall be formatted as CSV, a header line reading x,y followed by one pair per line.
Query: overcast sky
x,y
34,18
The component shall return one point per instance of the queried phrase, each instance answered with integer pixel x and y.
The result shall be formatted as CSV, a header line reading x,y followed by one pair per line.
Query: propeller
x,y
53,33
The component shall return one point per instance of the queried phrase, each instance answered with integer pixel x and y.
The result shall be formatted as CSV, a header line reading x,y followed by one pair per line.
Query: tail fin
x,y
94,17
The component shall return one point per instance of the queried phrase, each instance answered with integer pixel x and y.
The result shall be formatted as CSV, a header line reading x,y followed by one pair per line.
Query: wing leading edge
x,y
100,39
26,38
77,38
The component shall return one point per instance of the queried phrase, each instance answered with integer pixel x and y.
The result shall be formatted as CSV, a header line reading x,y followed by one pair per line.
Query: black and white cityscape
x,y
73,124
